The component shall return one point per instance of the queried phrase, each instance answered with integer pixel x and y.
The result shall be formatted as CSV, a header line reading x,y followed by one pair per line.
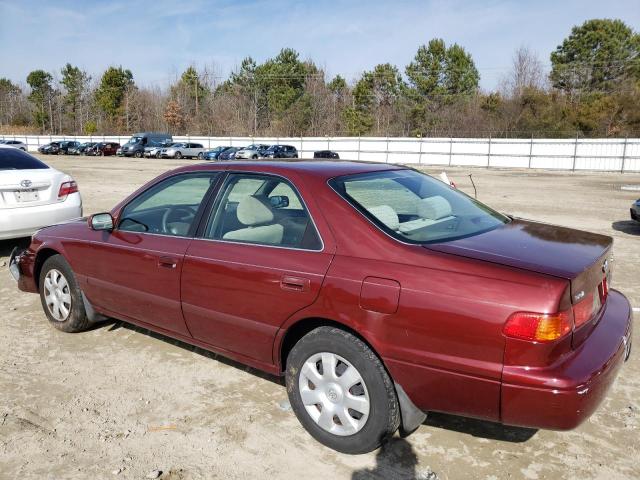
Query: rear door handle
x,y
167,262
297,284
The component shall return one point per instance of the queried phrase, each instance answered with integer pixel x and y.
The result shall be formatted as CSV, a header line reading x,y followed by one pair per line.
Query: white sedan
x,y
33,195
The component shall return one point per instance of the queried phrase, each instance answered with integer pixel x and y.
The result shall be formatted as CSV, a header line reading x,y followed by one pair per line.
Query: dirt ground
x,y
120,402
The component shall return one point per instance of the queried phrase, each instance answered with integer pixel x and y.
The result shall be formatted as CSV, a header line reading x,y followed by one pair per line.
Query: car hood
x,y
538,247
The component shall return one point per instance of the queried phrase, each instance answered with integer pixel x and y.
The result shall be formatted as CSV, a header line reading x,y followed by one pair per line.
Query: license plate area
x,y
23,196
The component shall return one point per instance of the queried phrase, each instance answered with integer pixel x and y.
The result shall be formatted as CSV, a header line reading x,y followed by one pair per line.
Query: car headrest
x,y
434,208
386,215
251,211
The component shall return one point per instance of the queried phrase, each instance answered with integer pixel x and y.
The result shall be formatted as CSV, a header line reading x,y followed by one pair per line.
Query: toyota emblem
x,y
26,183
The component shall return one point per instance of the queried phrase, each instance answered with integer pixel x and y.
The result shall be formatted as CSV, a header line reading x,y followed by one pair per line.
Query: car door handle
x,y
297,284
167,262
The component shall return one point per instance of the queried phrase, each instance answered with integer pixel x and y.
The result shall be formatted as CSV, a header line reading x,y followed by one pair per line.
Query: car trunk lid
x,y
582,258
28,188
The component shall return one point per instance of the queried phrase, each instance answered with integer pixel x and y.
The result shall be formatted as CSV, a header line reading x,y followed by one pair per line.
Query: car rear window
x,y
416,208
14,159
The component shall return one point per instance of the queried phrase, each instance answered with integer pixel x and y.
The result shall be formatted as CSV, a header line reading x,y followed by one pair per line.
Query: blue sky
x,y
157,39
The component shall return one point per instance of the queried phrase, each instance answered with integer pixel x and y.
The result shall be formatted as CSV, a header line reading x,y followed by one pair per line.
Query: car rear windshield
x,y
14,159
416,208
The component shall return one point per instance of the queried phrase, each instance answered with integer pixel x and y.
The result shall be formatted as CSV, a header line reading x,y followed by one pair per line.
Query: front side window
x,y
415,207
263,210
168,208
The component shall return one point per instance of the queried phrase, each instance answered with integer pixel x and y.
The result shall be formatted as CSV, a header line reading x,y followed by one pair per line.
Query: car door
x,y
258,260
134,270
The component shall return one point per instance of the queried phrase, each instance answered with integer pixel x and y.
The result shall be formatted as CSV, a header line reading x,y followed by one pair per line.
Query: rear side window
x,y
14,159
262,210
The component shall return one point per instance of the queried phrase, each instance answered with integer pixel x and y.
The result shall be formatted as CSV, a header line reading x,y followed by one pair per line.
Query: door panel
x,y
131,275
236,296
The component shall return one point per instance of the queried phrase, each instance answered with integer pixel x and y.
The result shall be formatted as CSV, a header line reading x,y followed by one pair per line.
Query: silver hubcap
x,y
57,295
334,394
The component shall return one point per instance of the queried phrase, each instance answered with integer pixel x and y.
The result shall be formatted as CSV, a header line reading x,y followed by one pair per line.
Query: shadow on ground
x,y
627,226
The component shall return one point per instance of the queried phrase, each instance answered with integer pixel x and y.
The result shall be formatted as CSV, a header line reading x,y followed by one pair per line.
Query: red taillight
x,y
539,327
67,188
583,310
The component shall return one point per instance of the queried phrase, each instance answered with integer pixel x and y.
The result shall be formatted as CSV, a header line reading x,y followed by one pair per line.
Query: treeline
x,y
592,89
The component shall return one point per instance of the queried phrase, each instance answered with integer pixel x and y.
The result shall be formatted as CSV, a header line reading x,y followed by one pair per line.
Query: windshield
x,y
14,159
133,140
416,208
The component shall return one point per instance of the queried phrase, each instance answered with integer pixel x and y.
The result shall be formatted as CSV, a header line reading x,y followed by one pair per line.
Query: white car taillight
x,y
66,189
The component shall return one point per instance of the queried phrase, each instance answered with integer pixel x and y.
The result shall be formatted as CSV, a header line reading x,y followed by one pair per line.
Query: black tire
x,y
201,156
158,155
178,155
76,320
384,412
254,157
138,154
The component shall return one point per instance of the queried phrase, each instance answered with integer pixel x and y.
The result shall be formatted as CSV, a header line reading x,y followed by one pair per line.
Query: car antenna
x,y
475,191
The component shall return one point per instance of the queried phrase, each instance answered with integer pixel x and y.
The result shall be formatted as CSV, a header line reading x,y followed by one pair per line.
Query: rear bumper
x,y
562,396
23,221
21,267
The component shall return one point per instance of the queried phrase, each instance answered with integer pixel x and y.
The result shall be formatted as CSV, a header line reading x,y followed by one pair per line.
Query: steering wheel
x,y
171,212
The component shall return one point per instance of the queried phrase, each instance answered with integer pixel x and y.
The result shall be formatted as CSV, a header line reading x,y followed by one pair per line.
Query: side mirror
x,y
101,221
279,201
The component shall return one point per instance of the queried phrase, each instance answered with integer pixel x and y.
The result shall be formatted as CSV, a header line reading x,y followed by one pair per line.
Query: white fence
x,y
620,155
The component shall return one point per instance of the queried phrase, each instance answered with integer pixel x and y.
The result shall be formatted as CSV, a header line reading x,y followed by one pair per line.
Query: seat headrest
x,y
434,208
251,211
386,215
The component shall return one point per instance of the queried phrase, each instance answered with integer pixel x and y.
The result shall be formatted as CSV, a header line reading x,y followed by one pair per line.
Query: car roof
x,y
317,168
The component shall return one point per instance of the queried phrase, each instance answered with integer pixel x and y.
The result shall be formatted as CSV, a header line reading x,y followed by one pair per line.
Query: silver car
x,y
183,149
254,151
15,144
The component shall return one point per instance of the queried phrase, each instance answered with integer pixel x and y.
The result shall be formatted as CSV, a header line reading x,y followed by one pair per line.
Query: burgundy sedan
x,y
379,293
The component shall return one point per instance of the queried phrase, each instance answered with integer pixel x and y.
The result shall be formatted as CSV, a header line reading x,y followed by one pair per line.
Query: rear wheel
x,y
254,157
61,297
201,156
341,392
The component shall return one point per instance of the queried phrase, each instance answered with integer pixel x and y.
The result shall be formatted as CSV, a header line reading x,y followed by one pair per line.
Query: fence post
x,y
359,148
489,153
530,150
450,150
420,155
624,154
575,153
386,159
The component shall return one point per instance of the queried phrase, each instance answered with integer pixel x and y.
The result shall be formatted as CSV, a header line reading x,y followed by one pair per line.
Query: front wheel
x,y
341,392
178,155
61,297
201,156
138,154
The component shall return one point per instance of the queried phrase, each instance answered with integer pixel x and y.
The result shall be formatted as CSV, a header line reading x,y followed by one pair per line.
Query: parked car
x,y
214,153
429,301
228,154
635,211
326,154
81,148
15,144
155,149
33,195
253,151
49,148
103,149
135,147
64,146
182,149
281,151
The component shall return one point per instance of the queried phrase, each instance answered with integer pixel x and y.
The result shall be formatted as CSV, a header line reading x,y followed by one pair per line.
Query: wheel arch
x,y
41,257
301,327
